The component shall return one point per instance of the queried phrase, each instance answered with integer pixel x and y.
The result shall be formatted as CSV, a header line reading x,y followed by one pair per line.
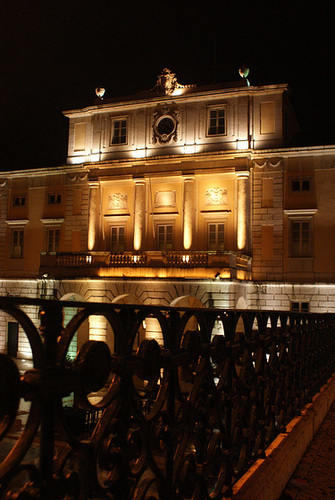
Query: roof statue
x,y
167,83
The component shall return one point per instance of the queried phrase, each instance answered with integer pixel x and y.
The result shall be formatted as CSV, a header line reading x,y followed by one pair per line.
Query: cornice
x,y
230,155
206,95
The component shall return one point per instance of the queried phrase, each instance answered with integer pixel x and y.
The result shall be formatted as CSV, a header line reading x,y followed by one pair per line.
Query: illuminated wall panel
x,y
79,136
268,124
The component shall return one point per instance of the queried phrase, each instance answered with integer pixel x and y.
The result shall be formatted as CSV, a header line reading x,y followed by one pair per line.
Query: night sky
x,y
53,54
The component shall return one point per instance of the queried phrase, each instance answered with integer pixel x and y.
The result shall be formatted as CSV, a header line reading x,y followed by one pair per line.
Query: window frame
x,y
164,224
301,216
299,307
52,224
117,248
21,197
14,254
298,243
16,225
299,181
114,120
55,247
54,198
217,133
216,224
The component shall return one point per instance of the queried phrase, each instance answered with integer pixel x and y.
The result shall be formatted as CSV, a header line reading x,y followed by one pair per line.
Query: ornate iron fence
x,y
180,420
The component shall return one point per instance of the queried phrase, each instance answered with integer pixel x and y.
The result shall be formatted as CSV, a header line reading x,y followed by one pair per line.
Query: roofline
x,y
208,93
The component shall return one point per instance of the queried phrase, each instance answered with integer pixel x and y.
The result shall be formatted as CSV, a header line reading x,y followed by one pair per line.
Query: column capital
x,y
93,184
139,182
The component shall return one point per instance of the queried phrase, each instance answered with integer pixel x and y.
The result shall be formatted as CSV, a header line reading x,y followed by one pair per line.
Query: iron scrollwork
x,y
181,419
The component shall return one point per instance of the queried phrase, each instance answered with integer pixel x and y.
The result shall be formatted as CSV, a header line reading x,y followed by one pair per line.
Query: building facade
x,y
180,195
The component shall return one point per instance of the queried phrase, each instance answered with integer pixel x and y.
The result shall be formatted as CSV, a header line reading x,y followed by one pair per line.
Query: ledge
x,y
267,478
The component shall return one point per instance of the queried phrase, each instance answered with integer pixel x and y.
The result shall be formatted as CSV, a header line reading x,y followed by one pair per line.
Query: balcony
x,y
149,264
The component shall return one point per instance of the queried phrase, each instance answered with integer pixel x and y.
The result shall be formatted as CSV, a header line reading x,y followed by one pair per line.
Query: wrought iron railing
x,y
180,420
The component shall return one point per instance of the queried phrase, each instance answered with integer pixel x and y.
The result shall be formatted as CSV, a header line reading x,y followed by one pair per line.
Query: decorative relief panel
x,y
165,199
216,196
117,201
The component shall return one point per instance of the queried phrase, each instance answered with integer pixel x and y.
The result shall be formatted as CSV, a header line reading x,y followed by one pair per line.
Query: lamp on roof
x,y
244,73
100,92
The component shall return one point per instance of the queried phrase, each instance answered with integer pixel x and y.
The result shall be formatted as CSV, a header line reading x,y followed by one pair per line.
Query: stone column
x,y
189,204
93,217
139,214
242,208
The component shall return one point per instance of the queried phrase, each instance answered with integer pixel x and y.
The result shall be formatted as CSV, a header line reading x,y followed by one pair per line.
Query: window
x,y
54,199
215,237
299,306
53,240
298,185
300,239
164,237
17,244
119,131
19,201
117,238
217,121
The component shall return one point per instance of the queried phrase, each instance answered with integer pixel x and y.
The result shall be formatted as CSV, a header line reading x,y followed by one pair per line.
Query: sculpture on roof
x,y
167,83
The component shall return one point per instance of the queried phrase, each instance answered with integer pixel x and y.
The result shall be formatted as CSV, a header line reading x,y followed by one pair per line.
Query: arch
x,y
82,334
126,298
241,303
187,301
149,327
73,296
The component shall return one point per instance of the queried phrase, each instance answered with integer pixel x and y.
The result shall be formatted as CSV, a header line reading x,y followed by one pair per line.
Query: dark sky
x,y
54,53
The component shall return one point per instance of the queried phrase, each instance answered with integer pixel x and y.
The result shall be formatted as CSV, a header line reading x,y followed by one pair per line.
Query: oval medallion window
x,y
165,126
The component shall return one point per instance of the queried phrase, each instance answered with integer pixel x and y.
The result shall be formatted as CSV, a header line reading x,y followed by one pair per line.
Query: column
x,y
242,216
93,217
189,204
139,215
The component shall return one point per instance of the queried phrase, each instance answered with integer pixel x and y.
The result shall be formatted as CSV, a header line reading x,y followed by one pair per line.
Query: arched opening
x,y
128,298
82,334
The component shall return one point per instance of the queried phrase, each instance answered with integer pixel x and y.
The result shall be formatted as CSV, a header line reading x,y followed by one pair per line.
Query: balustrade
x,y
146,258
184,419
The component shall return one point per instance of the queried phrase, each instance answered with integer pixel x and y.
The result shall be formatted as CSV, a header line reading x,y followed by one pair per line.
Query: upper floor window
x,y
300,239
215,236
117,238
53,240
217,121
54,199
164,237
301,185
17,243
19,201
119,131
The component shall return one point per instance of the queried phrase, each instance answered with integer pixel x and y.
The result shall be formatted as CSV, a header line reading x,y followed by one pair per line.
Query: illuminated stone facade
x,y
182,194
